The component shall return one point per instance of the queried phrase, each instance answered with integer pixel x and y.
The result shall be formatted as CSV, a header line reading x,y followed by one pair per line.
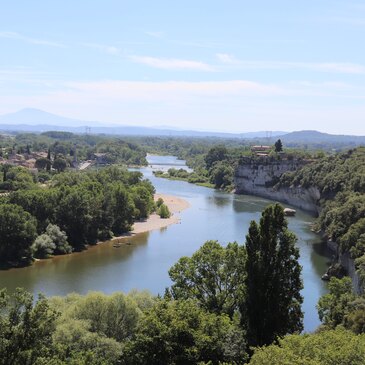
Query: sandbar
x,y
175,205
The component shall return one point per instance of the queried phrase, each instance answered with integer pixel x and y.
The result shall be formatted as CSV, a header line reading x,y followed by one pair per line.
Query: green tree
x,y
59,238
163,211
334,306
42,163
217,153
213,275
336,347
26,329
181,332
273,300
17,233
59,164
43,246
278,146
221,174
143,201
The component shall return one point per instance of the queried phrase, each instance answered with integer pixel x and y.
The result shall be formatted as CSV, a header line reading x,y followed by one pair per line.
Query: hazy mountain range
x,y
37,121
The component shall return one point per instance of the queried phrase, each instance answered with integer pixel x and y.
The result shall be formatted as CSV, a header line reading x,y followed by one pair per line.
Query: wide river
x,y
144,264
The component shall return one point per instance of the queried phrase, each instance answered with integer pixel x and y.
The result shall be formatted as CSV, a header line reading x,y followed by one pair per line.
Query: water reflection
x,y
219,201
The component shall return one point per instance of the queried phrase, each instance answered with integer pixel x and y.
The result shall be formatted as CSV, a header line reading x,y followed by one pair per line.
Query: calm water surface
x,y
145,263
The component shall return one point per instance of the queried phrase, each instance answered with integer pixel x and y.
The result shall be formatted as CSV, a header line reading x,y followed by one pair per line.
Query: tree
x,y
43,246
323,348
48,166
273,300
17,233
59,238
332,307
217,153
42,163
59,164
163,211
221,174
278,146
214,276
181,332
26,328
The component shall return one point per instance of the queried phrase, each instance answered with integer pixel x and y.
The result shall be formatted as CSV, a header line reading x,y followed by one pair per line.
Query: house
x,y
100,158
261,150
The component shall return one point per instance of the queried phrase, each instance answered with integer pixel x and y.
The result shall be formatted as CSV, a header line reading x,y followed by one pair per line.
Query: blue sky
x,y
207,65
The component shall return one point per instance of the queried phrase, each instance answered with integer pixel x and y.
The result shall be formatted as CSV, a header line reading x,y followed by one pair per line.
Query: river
x,y
144,264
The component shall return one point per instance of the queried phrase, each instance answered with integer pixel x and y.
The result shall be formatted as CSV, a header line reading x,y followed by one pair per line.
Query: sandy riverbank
x,y
175,205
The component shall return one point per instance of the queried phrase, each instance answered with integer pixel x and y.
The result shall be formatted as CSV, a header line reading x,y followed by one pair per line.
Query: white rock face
x,y
258,178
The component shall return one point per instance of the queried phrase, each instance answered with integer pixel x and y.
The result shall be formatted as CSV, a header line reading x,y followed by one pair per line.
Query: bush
x,y
163,211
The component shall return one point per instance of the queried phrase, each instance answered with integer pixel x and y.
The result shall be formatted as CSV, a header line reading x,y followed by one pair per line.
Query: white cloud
x,y
227,59
331,67
103,48
20,37
172,63
155,34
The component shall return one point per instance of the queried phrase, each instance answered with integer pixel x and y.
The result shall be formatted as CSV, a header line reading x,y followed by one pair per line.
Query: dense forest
x,y
74,209
341,181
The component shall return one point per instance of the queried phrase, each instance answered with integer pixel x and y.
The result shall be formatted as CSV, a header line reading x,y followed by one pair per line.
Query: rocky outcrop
x,y
259,177
345,260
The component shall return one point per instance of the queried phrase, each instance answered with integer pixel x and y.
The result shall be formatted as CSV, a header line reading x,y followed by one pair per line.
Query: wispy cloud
x,y
172,63
227,59
333,67
155,34
112,50
21,37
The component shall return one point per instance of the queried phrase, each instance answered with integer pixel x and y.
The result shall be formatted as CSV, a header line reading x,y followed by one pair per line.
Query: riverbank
x,y
153,222
176,178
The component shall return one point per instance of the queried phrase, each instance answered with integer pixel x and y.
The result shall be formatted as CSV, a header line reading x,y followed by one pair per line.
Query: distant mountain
x,y
38,121
35,117
317,138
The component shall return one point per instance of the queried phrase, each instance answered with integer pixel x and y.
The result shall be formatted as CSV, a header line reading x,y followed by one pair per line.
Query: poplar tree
x,y
273,300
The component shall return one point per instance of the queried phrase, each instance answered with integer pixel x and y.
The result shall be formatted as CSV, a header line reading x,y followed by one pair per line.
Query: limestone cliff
x,y
259,177
255,176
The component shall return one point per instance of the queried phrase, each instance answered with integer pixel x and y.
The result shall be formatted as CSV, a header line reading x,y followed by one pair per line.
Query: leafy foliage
x,y
341,183
25,328
342,307
181,332
17,232
163,211
273,300
324,348
214,276
85,207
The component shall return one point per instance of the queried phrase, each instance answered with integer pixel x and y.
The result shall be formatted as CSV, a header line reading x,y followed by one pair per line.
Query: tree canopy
x,y
273,284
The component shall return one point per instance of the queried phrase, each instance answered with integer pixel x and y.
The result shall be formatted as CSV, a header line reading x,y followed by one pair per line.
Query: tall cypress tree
x,y
273,300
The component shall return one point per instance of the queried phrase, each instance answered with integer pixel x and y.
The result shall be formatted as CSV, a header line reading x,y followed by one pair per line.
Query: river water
x,y
144,264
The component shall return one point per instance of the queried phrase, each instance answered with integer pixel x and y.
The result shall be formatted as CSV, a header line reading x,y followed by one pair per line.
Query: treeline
x,y
69,147
74,210
226,305
213,168
341,182
213,160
